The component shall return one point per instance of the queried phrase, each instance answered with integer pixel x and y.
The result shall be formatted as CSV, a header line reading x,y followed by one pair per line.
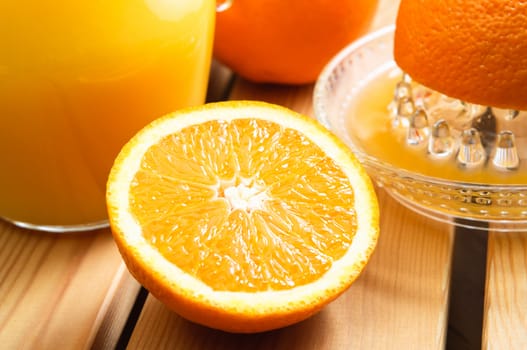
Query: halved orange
x,y
242,216
472,50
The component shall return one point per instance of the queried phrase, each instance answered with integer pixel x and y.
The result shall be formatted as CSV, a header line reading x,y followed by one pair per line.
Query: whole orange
x,y
473,50
287,41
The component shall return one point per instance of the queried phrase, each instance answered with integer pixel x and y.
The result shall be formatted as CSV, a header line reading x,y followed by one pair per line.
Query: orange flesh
x,y
291,220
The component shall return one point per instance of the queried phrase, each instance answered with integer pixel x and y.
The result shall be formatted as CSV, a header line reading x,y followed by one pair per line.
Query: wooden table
x,y
427,286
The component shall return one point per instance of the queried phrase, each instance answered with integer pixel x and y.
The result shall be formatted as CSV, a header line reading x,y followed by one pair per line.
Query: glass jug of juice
x,y
77,80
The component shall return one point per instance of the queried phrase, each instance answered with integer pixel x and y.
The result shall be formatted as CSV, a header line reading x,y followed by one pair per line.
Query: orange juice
x,y
370,127
77,80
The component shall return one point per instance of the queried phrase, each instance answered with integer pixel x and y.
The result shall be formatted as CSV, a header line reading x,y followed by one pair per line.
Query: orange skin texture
x,y
473,50
288,42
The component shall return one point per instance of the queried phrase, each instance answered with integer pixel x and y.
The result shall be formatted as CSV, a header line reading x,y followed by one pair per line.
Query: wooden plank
x,y
505,324
115,309
55,288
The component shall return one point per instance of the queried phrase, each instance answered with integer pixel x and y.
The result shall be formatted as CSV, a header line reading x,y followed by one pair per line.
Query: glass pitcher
x,y
77,80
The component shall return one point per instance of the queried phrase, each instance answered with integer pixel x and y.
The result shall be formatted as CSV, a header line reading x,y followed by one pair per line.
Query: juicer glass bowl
x,y
500,206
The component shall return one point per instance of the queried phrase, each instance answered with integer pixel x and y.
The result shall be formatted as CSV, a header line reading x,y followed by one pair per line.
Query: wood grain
x,y
505,324
55,289
114,311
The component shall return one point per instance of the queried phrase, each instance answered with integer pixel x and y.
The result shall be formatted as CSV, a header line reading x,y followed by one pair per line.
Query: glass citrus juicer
x,y
449,160
77,80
